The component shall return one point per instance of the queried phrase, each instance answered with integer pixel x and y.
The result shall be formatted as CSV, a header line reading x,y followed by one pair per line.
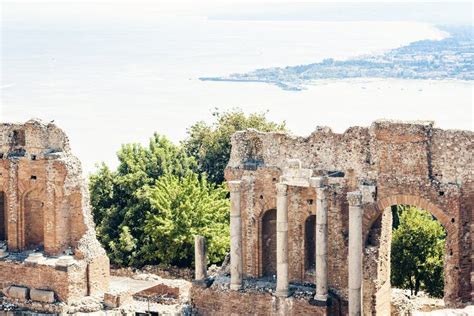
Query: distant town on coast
x,y
449,58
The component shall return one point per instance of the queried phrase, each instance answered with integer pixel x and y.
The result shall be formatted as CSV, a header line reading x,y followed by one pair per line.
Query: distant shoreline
x,y
448,58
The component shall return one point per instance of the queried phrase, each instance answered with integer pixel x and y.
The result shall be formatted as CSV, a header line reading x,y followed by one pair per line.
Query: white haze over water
x,y
110,81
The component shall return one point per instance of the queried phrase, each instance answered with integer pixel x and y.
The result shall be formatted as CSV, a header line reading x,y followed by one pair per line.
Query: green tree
x,y
180,208
122,199
418,252
210,144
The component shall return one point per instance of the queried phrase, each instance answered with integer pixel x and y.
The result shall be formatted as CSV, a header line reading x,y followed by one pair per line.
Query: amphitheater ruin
x,y
310,220
318,210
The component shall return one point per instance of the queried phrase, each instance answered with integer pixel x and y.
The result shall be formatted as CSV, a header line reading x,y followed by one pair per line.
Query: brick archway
x,y
378,293
406,199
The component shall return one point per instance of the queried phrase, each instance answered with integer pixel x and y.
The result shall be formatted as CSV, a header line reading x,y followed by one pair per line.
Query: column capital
x,y
354,198
234,186
282,189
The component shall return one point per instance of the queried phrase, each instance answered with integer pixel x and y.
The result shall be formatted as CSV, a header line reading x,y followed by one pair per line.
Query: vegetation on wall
x,y
160,195
417,251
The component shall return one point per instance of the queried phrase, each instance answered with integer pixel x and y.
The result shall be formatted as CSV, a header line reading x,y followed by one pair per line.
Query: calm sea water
x,y
110,80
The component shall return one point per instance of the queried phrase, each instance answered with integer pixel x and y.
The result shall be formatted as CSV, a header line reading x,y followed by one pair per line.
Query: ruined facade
x,y
318,210
49,253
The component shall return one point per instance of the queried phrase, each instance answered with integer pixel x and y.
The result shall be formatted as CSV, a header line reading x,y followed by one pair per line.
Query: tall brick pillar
x,y
282,240
235,236
355,253
12,210
319,183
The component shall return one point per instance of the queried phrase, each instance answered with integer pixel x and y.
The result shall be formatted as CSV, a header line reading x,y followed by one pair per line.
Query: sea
x,y
108,78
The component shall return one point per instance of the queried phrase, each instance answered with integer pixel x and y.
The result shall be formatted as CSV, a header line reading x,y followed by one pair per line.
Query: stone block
x,y
117,299
318,182
16,292
368,193
34,258
3,253
43,296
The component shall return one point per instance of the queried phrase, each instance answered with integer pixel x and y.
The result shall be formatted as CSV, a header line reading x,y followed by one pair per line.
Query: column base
x,y
236,287
282,293
321,302
318,297
205,283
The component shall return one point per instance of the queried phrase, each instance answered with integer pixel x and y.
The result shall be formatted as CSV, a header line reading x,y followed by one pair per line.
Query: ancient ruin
x,y
311,217
310,223
49,255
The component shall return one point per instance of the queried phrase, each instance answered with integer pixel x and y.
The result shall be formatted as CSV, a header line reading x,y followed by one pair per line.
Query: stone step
x,y
3,253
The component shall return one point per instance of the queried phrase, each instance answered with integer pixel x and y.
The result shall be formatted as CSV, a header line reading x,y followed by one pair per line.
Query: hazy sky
x,y
458,12
126,69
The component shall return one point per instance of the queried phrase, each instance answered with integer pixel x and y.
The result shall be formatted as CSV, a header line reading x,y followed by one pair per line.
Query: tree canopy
x,y
180,208
152,186
210,144
417,252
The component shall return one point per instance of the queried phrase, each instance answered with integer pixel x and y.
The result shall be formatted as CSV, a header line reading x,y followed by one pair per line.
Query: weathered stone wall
x,y
209,301
408,163
68,284
359,149
46,211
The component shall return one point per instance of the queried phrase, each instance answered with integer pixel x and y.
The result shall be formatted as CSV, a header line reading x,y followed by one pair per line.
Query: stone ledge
x,y
44,296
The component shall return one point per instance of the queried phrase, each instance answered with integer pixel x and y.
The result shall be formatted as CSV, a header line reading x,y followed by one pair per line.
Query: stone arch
x,y
3,217
417,201
377,294
33,220
268,239
310,243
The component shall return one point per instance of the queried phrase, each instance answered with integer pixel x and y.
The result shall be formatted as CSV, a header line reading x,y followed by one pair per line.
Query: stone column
x,y
355,253
282,241
319,184
200,262
235,236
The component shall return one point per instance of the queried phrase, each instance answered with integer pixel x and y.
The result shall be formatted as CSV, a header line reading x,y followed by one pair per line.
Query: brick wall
x,y
44,277
209,301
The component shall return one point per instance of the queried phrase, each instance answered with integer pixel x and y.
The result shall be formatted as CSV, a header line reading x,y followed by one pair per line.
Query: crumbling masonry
x,y
49,253
318,210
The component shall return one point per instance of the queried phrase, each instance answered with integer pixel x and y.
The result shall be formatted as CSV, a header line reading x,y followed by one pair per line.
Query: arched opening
x,y
269,243
310,243
406,250
34,221
3,218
